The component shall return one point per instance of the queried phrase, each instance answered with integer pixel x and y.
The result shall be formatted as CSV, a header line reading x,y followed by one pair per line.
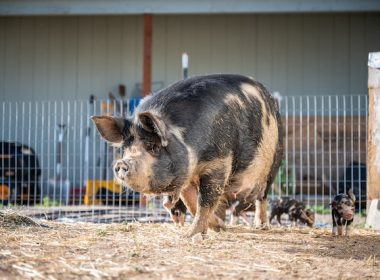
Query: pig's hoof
x,y
197,238
264,226
195,230
218,225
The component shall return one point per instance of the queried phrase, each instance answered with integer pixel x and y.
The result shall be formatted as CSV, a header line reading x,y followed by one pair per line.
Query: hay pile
x,y
158,251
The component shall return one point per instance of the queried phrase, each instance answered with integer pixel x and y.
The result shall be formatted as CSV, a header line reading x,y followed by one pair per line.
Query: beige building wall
x,y
69,58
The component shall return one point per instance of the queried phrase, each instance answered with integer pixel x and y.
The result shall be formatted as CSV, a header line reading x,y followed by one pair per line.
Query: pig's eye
x,y
151,148
129,141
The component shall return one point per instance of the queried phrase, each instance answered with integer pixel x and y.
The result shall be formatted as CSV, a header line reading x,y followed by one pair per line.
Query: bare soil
x,y
159,251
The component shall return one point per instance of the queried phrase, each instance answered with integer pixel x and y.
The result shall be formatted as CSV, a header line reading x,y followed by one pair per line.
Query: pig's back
x,y
221,115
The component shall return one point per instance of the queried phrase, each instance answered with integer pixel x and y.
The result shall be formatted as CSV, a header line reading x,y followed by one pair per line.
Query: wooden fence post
x,y
373,161
147,59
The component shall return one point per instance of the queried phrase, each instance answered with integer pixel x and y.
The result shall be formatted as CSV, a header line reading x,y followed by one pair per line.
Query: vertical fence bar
x,y
286,145
308,147
315,151
330,142
22,141
344,145
359,155
366,141
69,184
294,147
337,142
301,150
43,149
81,154
36,177
2,194
16,138
75,158
54,149
61,157
94,161
30,144
323,147
353,183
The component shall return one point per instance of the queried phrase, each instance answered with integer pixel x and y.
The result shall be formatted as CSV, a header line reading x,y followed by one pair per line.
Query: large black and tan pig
x,y
199,139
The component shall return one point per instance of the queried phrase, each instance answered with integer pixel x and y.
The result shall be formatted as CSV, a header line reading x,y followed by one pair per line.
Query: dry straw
x,y
32,249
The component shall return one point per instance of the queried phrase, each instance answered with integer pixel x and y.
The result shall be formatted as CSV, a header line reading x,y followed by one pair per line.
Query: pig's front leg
x,y
211,189
261,218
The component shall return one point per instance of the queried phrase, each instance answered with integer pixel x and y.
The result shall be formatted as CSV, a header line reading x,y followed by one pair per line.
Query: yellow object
x,y
93,187
4,192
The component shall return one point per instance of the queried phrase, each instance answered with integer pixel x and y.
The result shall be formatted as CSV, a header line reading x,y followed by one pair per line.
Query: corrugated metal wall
x,y
65,58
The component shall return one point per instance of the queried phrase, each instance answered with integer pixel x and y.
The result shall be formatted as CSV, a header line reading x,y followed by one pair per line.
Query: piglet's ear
x,y
110,128
333,204
351,195
154,124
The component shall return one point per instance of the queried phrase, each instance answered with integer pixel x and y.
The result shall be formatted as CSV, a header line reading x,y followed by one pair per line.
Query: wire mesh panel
x,y
53,163
325,150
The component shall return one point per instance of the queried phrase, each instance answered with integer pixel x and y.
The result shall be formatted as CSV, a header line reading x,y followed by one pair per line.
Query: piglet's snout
x,y
121,168
348,216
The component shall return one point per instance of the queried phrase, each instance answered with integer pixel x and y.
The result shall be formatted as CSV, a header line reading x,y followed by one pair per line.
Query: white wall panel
x,y
64,58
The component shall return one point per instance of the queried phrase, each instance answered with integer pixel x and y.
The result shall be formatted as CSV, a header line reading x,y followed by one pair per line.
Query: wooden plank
x,y
374,127
41,58
113,54
202,46
130,67
358,54
70,58
26,77
159,50
326,54
341,64
55,59
99,59
264,50
2,56
233,44
218,44
295,72
174,50
12,61
248,48
84,59
147,55
188,44
311,54
280,50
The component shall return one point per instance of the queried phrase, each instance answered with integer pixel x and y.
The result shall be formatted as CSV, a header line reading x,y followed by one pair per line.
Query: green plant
x,y
284,179
47,202
101,232
320,209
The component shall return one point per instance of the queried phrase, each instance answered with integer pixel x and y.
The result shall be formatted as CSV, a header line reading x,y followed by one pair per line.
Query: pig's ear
x,y
305,216
351,195
333,204
110,128
154,124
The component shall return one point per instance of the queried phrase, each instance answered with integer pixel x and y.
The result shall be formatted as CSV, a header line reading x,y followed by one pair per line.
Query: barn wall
x,y
66,58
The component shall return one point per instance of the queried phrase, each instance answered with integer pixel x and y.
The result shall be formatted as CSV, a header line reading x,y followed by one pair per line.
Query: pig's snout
x,y
348,216
121,168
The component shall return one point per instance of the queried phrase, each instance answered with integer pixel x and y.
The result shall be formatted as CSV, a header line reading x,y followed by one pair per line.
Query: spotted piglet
x,y
343,210
176,209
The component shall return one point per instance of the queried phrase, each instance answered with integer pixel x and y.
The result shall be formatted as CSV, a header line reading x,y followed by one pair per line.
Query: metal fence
x,y
60,168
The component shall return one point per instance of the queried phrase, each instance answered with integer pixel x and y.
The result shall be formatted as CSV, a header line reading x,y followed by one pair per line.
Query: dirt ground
x,y
159,251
